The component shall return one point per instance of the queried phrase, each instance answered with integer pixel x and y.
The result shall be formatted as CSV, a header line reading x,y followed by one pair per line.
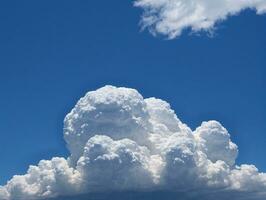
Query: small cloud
x,y
172,17
120,142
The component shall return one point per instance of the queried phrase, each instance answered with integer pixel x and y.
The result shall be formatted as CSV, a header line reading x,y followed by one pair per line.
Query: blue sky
x,y
52,53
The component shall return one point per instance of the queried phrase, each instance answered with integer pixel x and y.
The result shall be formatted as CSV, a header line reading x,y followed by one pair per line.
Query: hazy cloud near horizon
x,y
119,142
171,17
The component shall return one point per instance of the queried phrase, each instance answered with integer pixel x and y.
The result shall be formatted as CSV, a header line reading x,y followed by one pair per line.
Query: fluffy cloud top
x,y
119,142
171,17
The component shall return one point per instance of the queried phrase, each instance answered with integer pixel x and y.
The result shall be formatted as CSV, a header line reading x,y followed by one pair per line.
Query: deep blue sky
x,y
53,52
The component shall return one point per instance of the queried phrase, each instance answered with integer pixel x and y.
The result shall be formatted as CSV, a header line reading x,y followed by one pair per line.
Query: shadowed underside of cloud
x,y
161,195
126,147
171,17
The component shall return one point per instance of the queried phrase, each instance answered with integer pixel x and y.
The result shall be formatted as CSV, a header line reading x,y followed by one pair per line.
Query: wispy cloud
x,y
172,17
121,142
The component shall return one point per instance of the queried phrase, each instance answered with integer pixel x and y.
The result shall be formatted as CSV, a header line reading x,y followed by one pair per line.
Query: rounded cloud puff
x,y
48,179
115,165
119,141
115,112
214,140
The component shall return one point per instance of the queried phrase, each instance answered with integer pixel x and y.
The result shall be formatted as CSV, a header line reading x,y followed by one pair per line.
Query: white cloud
x,y
214,141
172,17
50,178
114,165
116,112
119,141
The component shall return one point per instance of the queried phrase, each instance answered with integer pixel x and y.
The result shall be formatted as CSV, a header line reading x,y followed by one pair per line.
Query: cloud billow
x,y
121,142
171,17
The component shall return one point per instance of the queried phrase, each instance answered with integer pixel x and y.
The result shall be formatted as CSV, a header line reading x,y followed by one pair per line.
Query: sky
x,y
53,52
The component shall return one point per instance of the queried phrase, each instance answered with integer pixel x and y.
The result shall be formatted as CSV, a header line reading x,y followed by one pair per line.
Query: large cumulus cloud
x,y
171,17
119,142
